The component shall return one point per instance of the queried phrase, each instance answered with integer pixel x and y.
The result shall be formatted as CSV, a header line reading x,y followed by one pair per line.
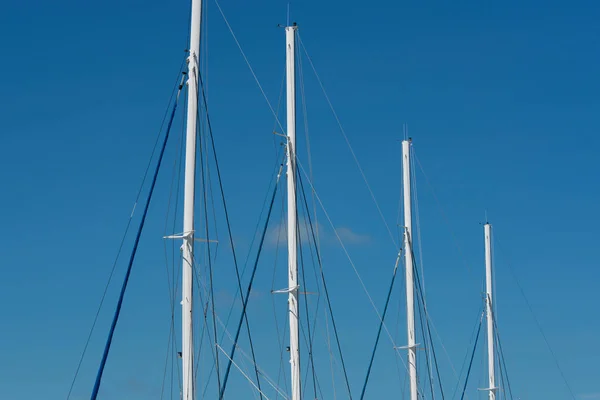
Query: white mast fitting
x,y
489,311
290,36
408,259
187,349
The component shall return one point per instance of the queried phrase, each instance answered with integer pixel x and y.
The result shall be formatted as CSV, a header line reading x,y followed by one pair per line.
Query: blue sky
x,y
501,101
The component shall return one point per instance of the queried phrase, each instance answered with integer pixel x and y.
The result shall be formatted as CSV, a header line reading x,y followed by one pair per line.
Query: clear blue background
x,y
500,98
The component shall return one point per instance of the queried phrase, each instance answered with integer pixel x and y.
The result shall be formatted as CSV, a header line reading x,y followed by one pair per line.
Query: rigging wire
x,y
428,345
304,284
242,372
345,136
345,250
424,308
312,332
362,173
413,159
256,229
421,280
281,370
126,231
262,372
275,120
418,229
502,393
133,253
275,115
205,307
472,356
314,204
399,369
466,358
249,66
171,284
163,384
249,288
305,120
174,278
387,301
230,234
325,284
283,130
441,209
207,233
502,361
539,325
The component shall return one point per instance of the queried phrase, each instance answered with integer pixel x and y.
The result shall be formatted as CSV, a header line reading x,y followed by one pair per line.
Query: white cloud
x,y
590,396
347,235
277,235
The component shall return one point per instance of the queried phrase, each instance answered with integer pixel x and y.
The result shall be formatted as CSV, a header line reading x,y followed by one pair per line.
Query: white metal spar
x,y
187,349
408,259
290,36
489,311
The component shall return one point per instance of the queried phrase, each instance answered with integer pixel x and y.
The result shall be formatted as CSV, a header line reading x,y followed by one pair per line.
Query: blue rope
x,y
248,289
471,362
131,258
387,301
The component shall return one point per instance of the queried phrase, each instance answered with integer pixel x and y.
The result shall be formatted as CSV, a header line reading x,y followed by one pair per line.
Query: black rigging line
x,y
238,290
304,284
335,331
428,342
539,326
249,288
132,257
164,380
433,353
501,352
281,369
277,165
210,267
306,130
502,394
255,235
307,338
205,307
231,243
422,300
466,358
171,277
387,301
176,271
203,332
471,362
312,330
121,244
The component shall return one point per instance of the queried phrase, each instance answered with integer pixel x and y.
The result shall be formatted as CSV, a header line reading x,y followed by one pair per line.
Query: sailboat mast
x,y
408,259
187,349
489,310
290,37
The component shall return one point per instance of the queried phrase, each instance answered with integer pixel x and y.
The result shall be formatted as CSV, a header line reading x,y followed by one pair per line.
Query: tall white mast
x,y
408,259
489,310
290,36
187,349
